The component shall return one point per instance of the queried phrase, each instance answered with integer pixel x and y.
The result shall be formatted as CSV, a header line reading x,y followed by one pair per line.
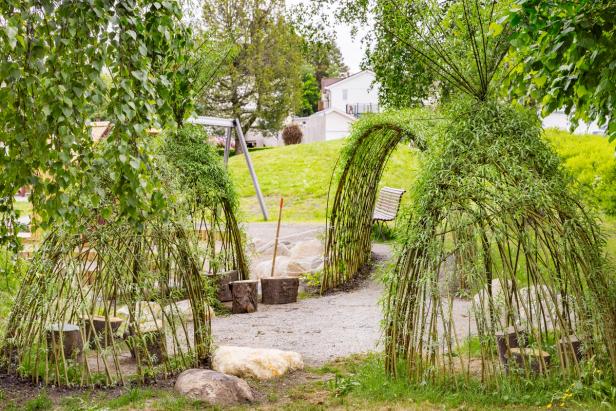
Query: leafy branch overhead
x,y
60,62
566,58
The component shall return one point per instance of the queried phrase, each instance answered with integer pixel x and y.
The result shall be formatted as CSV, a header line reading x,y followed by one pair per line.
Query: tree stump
x,y
532,358
65,337
570,350
279,290
152,345
100,330
506,340
222,281
244,296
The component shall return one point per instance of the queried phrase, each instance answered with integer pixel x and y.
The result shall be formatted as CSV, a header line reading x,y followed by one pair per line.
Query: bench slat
x,y
387,204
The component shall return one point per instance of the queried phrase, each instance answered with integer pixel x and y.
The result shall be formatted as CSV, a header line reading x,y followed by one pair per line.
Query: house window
x,y
345,94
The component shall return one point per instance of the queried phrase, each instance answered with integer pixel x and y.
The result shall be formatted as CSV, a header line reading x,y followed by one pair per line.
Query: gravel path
x,y
319,328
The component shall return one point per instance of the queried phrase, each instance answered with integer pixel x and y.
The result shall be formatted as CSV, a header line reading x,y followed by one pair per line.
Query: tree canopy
x,y
566,57
60,62
261,83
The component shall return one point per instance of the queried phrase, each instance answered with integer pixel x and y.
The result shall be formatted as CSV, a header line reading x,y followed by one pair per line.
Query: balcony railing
x,y
358,109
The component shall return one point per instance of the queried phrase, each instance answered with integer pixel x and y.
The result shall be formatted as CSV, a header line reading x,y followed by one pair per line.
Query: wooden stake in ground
x,y
277,234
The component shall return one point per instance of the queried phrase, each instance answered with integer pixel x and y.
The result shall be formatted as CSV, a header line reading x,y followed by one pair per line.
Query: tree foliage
x,y
310,93
325,57
423,48
565,56
54,57
261,83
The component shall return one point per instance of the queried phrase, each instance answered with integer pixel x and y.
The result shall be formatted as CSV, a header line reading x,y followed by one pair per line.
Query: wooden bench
x,y
387,205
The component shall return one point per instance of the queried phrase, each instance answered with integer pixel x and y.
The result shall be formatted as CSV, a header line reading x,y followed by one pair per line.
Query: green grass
x,y
301,174
360,383
591,160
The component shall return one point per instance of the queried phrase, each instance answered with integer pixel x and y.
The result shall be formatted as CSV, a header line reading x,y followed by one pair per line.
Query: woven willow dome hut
x,y
206,196
109,301
498,254
108,306
500,268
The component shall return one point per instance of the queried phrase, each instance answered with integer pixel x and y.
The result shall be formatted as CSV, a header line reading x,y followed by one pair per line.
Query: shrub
x,y
292,134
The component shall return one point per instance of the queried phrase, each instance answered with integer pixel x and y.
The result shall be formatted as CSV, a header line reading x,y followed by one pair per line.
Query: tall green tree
x,y
325,57
566,57
310,92
53,59
261,84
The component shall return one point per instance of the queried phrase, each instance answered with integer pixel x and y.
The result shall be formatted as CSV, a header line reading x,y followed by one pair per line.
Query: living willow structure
x,y
492,208
193,170
109,305
106,302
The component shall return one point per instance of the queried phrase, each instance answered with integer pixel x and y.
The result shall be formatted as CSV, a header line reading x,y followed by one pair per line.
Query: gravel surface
x,y
319,328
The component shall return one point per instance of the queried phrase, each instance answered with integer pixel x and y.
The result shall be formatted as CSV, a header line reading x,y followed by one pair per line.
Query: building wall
x,y
359,90
324,125
313,127
337,126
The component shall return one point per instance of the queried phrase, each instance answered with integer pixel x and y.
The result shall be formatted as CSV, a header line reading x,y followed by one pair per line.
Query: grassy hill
x,y
301,174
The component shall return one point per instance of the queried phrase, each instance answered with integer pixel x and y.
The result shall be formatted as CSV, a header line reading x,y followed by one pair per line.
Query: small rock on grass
x,y
214,387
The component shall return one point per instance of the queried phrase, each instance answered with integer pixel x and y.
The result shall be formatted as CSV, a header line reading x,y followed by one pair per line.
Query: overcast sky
x,y
350,46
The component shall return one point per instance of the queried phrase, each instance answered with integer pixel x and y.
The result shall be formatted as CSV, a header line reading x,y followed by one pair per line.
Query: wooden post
x,y
535,359
98,329
222,281
277,236
244,296
570,350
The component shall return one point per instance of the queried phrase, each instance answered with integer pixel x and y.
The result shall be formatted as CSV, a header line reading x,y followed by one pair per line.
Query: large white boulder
x,y
264,268
145,311
213,387
260,363
307,250
183,310
282,250
285,266
481,301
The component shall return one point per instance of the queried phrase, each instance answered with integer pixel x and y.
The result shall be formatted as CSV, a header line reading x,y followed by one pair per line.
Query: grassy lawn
x,y
354,383
301,174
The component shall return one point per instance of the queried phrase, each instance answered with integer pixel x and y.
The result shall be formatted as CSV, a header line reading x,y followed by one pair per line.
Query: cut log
x,y
244,296
534,359
279,290
570,350
64,340
151,345
222,281
506,340
101,330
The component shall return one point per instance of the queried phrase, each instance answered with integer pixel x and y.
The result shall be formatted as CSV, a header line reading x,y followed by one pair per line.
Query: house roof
x,y
328,81
346,79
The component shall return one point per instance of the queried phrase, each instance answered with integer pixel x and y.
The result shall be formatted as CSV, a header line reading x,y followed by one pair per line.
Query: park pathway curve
x,y
319,328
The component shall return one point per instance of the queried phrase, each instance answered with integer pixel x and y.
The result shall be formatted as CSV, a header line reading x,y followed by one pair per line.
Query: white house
x,y
354,95
342,101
